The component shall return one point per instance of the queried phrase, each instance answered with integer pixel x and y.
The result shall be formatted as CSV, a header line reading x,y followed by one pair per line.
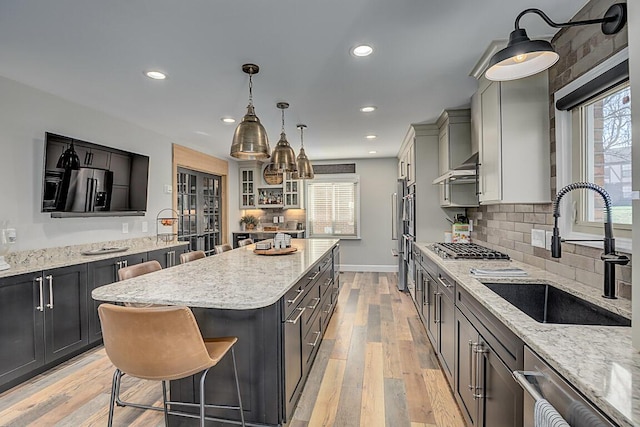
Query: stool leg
x,y
112,400
204,375
164,403
235,373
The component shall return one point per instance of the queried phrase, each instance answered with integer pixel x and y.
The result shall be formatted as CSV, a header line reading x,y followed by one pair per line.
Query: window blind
x,y
333,208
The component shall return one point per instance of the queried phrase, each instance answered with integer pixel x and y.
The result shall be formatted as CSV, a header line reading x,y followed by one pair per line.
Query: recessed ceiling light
x,y
228,120
368,109
362,50
156,75
373,152
371,136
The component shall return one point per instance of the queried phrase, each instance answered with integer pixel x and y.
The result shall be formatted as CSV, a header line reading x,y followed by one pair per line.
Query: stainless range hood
x,y
464,173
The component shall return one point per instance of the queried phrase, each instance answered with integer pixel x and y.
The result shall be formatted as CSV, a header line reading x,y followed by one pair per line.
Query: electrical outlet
x,y
168,189
125,227
547,244
145,226
538,238
470,225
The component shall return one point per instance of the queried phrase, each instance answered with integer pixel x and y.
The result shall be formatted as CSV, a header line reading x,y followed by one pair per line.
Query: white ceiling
x,y
94,52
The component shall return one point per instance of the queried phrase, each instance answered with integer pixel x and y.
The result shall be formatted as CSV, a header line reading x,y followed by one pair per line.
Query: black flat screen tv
x,y
83,179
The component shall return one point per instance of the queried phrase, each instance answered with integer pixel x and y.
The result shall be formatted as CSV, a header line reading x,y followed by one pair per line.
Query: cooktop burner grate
x,y
467,251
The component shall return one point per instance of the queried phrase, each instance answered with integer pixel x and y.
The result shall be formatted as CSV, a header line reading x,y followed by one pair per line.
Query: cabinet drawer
x,y
428,264
446,284
312,307
293,298
311,341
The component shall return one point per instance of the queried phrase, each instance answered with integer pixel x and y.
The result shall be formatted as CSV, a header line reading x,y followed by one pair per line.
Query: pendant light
x,y
69,159
524,57
283,158
250,140
305,169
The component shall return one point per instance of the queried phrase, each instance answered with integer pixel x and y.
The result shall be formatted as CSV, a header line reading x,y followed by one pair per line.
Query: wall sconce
x,y
524,57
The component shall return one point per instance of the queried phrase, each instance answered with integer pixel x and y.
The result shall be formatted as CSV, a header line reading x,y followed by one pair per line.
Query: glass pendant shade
x,y
250,140
521,58
69,159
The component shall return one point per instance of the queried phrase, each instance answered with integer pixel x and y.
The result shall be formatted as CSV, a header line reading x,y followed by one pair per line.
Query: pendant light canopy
x,y
283,158
524,57
250,140
69,159
305,169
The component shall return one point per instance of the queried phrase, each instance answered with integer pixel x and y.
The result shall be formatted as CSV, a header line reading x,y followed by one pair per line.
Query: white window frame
x,y
333,178
564,157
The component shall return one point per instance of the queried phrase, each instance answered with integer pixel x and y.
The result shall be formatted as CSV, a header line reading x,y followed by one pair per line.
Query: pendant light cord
x,y
301,137
250,89
283,120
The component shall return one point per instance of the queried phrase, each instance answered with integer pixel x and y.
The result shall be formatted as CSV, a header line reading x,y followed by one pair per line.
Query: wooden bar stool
x,y
162,344
222,248
191,256
245,242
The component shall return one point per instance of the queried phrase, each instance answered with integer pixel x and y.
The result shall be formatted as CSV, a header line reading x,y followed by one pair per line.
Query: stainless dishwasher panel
x,y
540,381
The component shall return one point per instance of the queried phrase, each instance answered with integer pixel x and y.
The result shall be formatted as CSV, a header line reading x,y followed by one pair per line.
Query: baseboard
x,y
371,268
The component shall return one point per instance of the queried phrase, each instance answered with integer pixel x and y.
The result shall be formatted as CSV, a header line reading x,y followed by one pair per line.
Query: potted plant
x,y
249,222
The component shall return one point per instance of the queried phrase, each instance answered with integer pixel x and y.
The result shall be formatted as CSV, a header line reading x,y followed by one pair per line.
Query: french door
x,y
199,209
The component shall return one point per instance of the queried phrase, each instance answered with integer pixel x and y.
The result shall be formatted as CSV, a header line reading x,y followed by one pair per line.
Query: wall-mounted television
x,y
82,179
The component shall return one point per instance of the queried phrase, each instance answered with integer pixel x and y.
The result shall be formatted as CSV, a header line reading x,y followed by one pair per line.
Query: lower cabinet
x,y
43,318
167,257
102,273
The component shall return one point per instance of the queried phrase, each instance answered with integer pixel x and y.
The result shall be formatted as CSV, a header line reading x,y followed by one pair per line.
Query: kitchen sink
x,y
545,303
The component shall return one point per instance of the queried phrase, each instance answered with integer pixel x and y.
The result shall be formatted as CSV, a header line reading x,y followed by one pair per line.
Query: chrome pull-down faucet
x,y
610,257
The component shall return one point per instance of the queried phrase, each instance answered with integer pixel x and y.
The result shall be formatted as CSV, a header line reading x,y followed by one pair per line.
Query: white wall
x,y
372,252
25,115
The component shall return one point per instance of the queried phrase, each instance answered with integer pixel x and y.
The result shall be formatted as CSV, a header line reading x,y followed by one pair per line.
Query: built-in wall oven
x,y
540,381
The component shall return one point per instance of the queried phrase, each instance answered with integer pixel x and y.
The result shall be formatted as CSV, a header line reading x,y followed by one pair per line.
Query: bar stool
x,y
245,242
191,256
135,271
222,248
162,344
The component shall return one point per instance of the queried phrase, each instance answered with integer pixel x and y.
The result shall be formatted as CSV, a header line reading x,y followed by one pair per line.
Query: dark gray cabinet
x,y
43,319
102,273
487,354
167,257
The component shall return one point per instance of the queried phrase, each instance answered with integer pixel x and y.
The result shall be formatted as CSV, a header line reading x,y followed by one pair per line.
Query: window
x,y
602,155
593,143
333,206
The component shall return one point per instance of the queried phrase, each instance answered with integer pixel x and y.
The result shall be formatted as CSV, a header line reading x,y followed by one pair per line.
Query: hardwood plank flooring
x,y
375,367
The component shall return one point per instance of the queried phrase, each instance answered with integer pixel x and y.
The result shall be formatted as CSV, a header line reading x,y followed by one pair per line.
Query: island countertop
x,y
235,280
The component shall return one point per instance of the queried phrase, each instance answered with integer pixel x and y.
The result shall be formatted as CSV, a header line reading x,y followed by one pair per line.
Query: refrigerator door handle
x,y
394,216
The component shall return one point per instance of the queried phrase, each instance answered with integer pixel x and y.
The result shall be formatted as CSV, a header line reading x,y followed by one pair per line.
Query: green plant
x,y
249,220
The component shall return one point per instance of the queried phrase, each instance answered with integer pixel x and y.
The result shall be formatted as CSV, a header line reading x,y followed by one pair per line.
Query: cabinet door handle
x,y
313,307
293,301
436,312
445,284
328,310
315,342
41,306
472,368
314,276
480,351
294,321
425,287
50,280
119,264
126,263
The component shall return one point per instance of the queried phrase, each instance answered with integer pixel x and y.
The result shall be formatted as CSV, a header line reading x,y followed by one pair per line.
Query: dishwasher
x,y
540,381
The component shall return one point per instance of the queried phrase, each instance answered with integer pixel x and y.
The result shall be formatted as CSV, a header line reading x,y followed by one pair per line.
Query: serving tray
x,y
273,251
101,251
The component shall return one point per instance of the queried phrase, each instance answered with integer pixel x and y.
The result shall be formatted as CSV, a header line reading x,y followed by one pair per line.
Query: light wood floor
x,y
375,367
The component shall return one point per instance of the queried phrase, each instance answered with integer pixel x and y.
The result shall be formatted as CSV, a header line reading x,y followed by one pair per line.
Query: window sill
x,y
335,236
623,244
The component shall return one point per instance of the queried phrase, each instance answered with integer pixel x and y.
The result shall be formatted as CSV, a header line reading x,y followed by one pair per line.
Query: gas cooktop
x,y
467,251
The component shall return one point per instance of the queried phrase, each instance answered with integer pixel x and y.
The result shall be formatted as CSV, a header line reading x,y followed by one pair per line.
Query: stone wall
x,y
508,227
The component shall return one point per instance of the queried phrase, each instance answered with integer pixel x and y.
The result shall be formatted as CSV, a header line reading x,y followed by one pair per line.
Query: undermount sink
x,y
545,303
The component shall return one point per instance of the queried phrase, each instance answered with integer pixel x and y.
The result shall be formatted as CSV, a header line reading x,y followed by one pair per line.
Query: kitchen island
x,y
278,307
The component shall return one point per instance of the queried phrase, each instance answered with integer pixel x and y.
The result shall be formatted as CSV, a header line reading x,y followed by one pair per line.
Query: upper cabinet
x,y
511,120
260,189
458,188
510,130
406,162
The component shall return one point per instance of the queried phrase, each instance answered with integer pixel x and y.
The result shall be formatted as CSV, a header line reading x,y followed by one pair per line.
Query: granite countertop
x,y
48,258
235,280
598,360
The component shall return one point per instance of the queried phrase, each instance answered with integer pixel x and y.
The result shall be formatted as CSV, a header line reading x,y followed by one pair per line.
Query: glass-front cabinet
x,y
292,197
260,188
247,188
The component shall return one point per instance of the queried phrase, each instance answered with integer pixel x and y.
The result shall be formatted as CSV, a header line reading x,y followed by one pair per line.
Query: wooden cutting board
x,y
273,251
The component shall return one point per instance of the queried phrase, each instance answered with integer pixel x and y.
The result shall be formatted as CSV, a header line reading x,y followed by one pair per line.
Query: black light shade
x,y
521,58
69,159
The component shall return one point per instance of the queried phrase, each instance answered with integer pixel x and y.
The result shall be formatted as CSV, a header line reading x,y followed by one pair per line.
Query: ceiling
x,y
94,52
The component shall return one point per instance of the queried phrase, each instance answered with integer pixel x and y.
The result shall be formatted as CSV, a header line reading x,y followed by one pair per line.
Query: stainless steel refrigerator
x,y
87,190
403,231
